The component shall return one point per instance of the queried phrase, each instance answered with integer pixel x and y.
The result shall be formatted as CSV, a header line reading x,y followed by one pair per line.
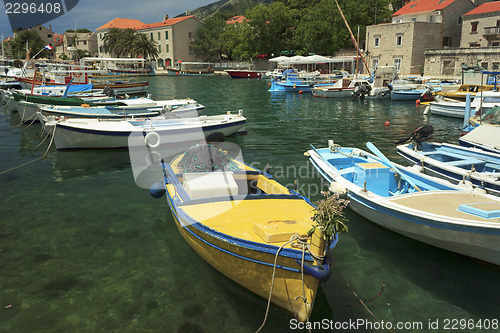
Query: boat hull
x,y
242,74
473,242
252,269
81,137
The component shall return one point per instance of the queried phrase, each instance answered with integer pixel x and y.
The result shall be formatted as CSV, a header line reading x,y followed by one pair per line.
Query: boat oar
x,y
379,154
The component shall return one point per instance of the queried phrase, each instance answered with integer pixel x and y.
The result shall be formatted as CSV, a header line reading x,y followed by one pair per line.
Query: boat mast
x,y
352,37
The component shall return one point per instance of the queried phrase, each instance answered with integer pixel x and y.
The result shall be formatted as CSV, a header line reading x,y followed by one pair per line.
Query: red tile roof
x,y
164,23
236,19
488,7
420,6
122,23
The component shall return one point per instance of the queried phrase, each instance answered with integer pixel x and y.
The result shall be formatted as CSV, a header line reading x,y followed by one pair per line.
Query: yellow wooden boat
x,y
250,228
465,89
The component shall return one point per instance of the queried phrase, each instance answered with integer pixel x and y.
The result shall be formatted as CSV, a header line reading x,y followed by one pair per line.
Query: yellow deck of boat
x,y
257,220
446,203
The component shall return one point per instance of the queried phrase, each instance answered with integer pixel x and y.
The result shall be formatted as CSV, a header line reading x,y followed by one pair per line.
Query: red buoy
x,y
300,91
387,123
417,102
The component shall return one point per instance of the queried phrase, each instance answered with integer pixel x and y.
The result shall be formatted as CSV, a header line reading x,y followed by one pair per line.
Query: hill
x,y
230,7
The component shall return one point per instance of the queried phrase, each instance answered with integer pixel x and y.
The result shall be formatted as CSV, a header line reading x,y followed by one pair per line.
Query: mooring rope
x,y
294,237
359,299
36,159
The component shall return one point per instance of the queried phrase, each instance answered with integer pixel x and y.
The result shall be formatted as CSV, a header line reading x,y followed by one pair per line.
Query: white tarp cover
x,y
485,135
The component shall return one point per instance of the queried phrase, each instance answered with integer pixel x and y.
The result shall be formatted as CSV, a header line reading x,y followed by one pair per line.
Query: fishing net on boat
x,y
492,116
205,158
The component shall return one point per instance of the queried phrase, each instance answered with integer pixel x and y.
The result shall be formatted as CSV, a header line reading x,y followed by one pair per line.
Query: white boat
x,y
80,133
415,205
344,87
456,109
456,164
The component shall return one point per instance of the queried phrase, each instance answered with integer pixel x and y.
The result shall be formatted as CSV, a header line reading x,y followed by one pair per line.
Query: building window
x,y
473,27
494,66
498,23
397,64
474,45
84,42
413,19
446,41
159,36
191,50
167,48
101,50
495,44
159,48
375,63
399,39
484,65
431,18
166,35
151,34
376,41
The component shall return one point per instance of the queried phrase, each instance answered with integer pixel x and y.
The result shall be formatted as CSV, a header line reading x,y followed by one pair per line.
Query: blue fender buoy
x,y
157,190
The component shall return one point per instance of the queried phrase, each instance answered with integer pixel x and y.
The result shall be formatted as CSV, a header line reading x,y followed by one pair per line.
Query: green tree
x,y
81,31
145,46
35,43
272,28
78,54
237,41
209,42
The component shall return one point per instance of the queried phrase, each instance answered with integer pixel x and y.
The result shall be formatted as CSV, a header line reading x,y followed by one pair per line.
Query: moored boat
x,y
456,164
245,74
83,133
248,227
415,205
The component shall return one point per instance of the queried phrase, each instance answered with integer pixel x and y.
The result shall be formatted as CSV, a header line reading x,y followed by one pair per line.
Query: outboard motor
x,y
421,134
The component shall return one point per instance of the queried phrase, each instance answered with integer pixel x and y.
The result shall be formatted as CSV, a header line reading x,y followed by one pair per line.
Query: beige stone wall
x,y
478,37
185,33
180,37
417,37
452,26
446,62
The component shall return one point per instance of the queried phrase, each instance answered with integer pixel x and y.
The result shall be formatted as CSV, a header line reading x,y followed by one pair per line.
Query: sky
x,y
91,14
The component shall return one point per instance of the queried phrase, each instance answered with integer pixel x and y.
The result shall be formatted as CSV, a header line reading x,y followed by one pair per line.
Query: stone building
x,y
418,26
480,44
481,26
47,36
174,37
119,23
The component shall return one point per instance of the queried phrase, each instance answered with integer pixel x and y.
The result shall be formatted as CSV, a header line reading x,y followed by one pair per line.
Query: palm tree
x,y
148,48
126,41
110,41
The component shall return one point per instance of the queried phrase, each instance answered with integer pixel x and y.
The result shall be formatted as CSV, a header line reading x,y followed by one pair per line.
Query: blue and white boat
x,y
291,82
415,205
456,164
92,133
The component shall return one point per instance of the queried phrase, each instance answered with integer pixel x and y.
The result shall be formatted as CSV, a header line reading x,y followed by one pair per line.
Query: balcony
x,y
491,31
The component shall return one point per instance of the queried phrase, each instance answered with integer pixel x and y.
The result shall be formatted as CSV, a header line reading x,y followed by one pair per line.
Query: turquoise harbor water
x,y
84,249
